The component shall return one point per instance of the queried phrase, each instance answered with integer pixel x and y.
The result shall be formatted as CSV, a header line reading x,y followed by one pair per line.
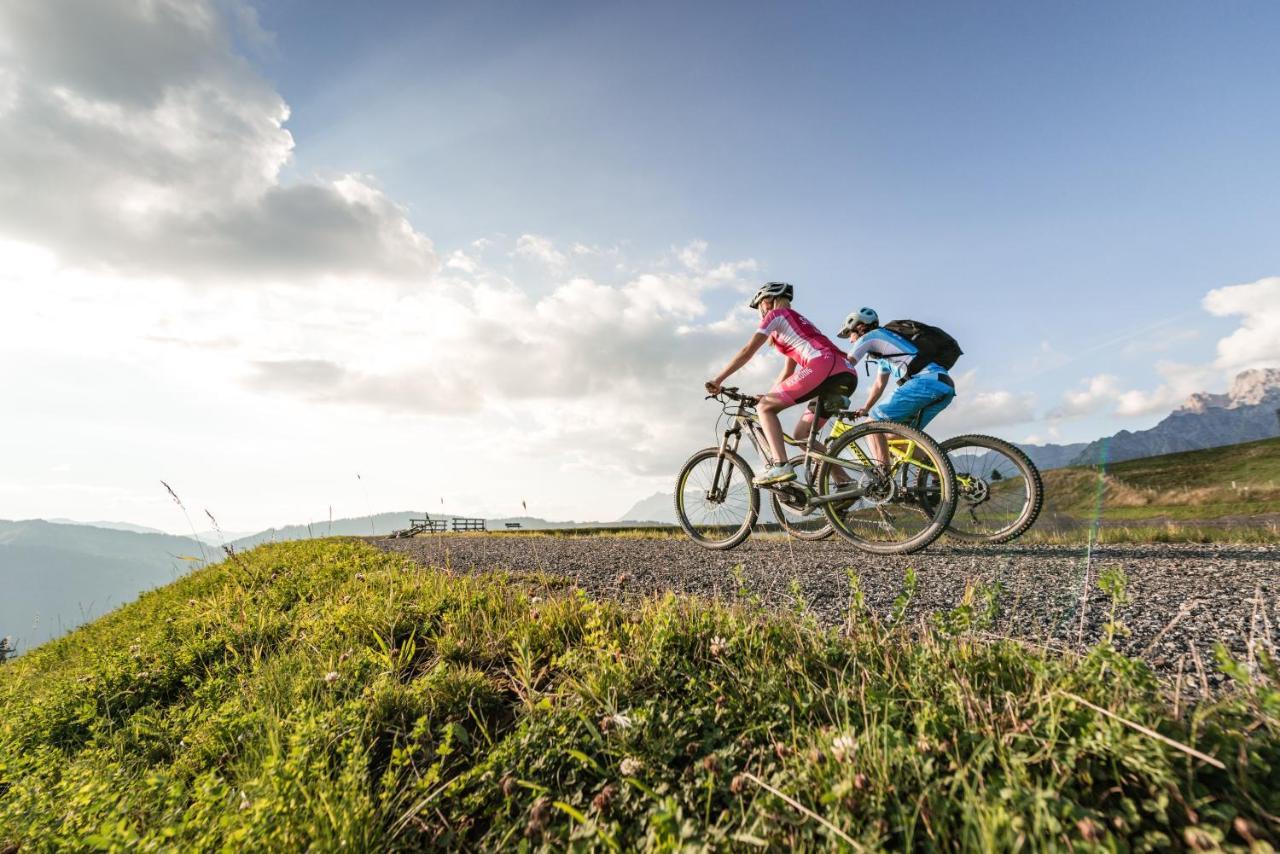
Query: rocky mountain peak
x,y
1249,388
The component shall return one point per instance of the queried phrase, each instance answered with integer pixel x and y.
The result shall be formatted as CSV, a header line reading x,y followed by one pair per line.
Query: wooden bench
x,y
460,524
425,525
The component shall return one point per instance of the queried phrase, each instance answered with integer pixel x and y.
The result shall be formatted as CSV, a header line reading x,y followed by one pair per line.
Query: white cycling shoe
x,y
777,474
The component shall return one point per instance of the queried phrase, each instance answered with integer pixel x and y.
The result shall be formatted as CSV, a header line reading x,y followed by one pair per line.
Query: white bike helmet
x,y
772,289
862,315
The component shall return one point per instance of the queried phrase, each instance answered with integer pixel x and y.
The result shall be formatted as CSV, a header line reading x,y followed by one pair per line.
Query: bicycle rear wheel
x,y
998,488
895,509
715,501
802,526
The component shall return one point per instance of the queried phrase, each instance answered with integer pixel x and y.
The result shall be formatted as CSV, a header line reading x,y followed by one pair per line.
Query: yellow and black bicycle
x,y
885,503
999,492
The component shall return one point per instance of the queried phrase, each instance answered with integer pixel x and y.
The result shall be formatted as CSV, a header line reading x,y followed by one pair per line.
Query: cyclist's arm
x,y
877,389
744,356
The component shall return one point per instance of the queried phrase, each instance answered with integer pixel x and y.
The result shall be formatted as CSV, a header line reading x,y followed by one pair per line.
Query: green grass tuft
x,y
324,694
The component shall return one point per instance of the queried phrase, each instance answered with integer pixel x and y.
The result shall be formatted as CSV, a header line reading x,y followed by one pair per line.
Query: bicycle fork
x,y
718,493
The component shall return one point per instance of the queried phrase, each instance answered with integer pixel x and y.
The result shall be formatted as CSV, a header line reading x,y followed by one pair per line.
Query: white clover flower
x,y
630,766
844,747
718,646
331,676
620,720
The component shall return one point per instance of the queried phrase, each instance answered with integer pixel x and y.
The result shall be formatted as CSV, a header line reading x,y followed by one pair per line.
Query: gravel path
x,y
1182,596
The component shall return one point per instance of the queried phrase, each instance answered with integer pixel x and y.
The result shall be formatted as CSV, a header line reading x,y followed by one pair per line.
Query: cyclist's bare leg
x,y
879,447
768,408
803,427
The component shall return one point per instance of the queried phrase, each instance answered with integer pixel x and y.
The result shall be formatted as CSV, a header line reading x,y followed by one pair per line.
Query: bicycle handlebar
x,y
732,393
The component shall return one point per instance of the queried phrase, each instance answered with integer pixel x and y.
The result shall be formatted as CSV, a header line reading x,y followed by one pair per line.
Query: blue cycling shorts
x,y
922,397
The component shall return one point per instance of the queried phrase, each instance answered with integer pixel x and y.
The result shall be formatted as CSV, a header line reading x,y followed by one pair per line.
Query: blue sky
x,y
1019,172
532,227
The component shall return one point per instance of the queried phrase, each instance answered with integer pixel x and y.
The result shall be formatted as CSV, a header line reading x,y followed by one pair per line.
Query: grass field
x,y
1217,483
327,695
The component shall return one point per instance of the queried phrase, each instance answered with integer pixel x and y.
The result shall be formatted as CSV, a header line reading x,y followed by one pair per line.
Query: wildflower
x,y
1199,840
844,747
508,786
538,815
630,766
781,750
859,781
245,803
331,677
710,763
738,784
601,801
718,646
359,576
1244,828
1090,830
923,745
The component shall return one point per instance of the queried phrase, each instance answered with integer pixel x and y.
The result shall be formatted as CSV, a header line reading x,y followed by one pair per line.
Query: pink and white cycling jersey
x,y
797,338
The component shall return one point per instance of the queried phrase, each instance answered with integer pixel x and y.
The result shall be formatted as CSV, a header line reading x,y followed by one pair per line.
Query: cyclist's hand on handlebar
x,y
712,387
859,413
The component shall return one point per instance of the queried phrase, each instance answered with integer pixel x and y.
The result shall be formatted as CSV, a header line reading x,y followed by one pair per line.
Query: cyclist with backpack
x,y
814,367
917,355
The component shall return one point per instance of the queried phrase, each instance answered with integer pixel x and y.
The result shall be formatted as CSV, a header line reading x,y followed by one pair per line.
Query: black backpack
x,y
932,345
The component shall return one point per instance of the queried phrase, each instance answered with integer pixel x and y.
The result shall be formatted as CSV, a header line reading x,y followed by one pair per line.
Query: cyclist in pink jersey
x,y
814,366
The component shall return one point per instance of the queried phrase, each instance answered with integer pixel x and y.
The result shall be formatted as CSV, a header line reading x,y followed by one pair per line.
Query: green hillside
x,y
1212,484
324,695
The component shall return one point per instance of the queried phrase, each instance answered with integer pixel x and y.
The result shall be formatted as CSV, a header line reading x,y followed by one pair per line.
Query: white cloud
x,y
539,249
134,138
976,407
693,255
1103,394
1257,342
1096,394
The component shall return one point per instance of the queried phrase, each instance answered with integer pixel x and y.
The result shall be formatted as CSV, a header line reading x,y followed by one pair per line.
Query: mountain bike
x,y
999,492
894,506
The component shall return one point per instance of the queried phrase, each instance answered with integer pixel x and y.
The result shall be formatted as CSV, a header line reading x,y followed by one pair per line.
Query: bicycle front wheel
x,y
811,525
715,500
900,485
998,488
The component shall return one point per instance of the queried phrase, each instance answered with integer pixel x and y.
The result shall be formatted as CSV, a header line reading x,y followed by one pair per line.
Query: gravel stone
x,y
1181,596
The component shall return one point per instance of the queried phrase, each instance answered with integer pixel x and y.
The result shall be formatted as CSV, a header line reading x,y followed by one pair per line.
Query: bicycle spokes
x,y
998,489
715,501
898,480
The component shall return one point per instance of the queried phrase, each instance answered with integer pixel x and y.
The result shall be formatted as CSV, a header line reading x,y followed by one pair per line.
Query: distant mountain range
x,y
660,508
55,576
1250,410
209,538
